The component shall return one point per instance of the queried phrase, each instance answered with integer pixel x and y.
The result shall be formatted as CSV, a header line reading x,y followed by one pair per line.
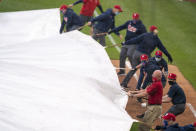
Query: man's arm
x,y
117,29
164,50
100,17
135,40
75,3
166,99
100,8
62,26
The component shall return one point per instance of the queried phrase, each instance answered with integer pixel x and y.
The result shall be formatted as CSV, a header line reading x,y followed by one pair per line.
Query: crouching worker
x,y
154,92
70,18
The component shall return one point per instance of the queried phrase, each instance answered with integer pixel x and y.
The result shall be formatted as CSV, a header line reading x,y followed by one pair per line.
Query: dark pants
x,y
99,38
177,109
85,18
126,51
135,62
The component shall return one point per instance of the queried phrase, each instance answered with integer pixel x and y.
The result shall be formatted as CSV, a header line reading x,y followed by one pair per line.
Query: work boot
x,y
121,73
140,116
124,85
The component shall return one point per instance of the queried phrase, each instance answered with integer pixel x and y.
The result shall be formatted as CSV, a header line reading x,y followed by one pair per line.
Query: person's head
x,y
169,119
135,17
63,8
117,9
157,75
158,55
154,29
172,78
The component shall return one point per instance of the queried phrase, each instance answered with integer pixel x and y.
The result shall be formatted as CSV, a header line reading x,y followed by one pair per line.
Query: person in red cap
x,y
104,23
88,8
175,95
70,19
146,43
162,63
170,125
134,28
154,92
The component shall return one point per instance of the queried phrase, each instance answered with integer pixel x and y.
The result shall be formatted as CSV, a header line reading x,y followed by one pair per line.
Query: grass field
x,y
176,22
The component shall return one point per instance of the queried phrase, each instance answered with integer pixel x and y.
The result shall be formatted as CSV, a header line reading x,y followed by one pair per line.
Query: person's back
x,y
88,7
105,21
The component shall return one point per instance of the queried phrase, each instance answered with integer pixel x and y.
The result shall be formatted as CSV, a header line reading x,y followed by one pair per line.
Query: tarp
x,y
53,82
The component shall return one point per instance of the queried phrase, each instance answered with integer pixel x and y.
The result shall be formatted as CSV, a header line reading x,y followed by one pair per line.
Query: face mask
x,y
157,59
165,123
171,82
116,13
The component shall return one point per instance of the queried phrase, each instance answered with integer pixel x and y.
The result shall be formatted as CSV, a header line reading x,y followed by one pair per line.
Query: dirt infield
x,y
134,108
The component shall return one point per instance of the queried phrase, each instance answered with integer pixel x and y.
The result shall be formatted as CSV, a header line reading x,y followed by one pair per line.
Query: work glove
x,y
122,43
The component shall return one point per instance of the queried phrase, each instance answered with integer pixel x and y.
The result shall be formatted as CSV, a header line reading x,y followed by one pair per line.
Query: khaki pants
x,y
151,114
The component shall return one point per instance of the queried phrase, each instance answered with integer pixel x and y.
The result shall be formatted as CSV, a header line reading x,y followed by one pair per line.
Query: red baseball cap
x,y
135,16
194,124
63,7
118,7
152,28
143,57
158,53
169,116
172,76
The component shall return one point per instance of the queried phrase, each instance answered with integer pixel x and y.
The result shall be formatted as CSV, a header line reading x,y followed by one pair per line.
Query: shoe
x,y
139,100
140,116
121,73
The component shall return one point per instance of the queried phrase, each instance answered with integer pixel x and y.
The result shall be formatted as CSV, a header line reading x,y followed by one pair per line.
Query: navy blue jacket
x,y
148,68
105,21
162,63
70,18
176,127
177,95
147,42
133,29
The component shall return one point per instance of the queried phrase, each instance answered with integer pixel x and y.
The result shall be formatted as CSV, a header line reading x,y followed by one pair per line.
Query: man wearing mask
x,y
161,62
70,19
154,92
134,28
175,95
146,43
104,23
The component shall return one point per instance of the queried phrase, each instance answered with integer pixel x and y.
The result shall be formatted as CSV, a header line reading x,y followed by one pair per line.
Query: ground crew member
x,y
88,8
105,22
161,62
170,125
70,18
154,93
134,28
175,95
146,43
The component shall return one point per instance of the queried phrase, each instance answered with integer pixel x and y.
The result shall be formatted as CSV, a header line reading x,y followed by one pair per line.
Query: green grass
x,y
176,22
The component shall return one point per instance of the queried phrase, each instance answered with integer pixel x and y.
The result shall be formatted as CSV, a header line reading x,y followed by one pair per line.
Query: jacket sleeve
x,y
117,29
163,49
113,27
135,40
62,26
165,66
100,8
69,21
100,17
77,2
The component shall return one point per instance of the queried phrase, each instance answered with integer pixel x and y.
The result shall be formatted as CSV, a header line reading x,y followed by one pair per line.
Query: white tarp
x,y
53,82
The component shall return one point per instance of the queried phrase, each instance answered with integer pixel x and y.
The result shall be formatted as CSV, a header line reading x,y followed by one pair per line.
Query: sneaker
x,y
121,73
140,116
